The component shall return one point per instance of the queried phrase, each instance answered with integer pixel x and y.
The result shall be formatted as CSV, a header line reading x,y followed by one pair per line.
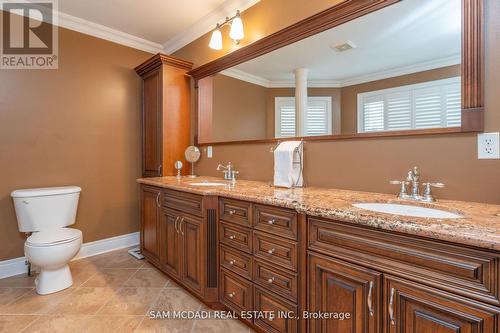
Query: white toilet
x,y
45,212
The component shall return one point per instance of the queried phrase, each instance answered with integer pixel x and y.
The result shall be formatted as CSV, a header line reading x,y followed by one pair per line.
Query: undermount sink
x,y
207,184
407,210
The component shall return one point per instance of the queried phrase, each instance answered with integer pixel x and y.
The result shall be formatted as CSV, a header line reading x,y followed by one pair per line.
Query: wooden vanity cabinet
x,y
165,113
396,283
150,222
180,239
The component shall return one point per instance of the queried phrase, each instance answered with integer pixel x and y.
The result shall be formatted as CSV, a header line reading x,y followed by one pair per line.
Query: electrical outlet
x,y
209,152
488,146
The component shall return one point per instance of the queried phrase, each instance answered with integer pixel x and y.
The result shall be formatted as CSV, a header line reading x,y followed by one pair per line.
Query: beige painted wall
x,y
78,125
368,164
239,109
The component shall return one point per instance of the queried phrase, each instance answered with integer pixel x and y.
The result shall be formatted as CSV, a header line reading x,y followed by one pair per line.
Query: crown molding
x,y
247,77
206,24
90,28
104,32
404,70
395,72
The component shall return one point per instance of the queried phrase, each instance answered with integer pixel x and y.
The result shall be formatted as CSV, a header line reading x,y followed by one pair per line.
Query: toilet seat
x,y
53,237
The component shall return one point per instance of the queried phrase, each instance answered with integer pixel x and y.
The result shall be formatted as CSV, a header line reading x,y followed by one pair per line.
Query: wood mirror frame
x,y
472,65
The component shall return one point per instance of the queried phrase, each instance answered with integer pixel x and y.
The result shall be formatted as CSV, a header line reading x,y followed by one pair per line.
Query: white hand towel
x,y
287,164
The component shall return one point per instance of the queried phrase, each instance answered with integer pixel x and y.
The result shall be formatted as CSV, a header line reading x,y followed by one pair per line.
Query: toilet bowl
x,y
51,250
45,213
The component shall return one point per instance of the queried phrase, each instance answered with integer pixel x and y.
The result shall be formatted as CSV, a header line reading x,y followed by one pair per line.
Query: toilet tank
x,y
40,209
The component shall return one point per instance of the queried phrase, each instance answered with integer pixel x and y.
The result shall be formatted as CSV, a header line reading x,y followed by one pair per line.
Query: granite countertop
x,y
480,225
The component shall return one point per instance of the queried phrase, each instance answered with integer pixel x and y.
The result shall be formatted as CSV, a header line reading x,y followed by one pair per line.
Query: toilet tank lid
x,y
44,191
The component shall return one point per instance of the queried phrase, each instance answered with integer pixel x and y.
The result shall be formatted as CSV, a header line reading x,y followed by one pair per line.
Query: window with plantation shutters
x,y
316,120
433,104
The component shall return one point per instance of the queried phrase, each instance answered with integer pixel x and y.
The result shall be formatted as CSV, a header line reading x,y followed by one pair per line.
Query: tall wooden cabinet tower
x,y
165,114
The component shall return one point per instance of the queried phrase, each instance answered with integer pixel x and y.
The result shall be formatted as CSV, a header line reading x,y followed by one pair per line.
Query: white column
x,y
300,98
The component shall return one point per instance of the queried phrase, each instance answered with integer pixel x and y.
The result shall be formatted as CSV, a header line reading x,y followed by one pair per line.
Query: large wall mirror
x,y
382,68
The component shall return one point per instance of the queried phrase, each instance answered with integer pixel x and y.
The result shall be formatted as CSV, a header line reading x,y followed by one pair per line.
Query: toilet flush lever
x,y
26,202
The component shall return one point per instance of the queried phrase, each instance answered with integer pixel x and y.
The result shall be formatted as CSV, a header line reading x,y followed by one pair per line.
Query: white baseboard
x,y
18,265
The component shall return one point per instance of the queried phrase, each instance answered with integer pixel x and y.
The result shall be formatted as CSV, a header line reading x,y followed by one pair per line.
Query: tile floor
x,y
112,292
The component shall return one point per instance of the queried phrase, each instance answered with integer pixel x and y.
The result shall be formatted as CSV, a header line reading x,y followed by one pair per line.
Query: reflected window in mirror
x,y
433,104
316,120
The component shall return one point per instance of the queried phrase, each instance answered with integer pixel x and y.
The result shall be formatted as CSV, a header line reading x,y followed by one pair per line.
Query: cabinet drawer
x,y
465,271
235,292
236,261
237,237
281,281
276,250
266,301
184,202
236,211
279,221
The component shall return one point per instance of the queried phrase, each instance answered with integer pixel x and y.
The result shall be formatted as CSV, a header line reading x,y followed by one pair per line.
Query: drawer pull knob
x,y
270,280
271,222
232,262
232,212
232,237
231,295
271,251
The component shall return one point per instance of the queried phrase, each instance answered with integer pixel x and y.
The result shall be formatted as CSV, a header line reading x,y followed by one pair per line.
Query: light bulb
x,y
216,40
236,33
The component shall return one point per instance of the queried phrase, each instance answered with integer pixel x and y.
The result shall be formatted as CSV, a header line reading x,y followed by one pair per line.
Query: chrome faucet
x,y
229,172
413,179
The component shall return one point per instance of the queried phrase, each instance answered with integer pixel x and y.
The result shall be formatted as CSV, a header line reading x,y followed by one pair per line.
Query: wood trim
x,y
334,16
161,59
472,64
422,132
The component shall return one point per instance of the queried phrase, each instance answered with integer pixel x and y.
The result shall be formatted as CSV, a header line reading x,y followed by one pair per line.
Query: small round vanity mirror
x,y
178,167
192,155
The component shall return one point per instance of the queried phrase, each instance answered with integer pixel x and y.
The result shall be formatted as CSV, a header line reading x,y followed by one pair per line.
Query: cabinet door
x,y
336,286
414,308
193,249
170,237
152,125
150,215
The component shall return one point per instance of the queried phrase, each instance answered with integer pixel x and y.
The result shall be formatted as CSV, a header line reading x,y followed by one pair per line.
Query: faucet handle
x,y
398,182
427,186
402,192
428,197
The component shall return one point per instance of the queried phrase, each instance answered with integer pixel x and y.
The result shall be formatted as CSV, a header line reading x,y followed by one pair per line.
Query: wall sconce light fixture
x,y
236,33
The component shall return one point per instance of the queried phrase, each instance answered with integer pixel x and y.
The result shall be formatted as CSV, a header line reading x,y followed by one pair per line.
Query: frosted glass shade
x,y
236,33
216,40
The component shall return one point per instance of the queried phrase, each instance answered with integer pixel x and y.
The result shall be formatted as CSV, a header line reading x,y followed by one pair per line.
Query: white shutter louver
x,y
285,117
316,120
398,111
427,105
373,114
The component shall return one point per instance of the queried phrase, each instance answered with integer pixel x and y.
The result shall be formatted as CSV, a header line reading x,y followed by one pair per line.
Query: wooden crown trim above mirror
x,y
472,68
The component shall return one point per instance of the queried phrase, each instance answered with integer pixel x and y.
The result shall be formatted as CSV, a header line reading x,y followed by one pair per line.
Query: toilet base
x,y
53,280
